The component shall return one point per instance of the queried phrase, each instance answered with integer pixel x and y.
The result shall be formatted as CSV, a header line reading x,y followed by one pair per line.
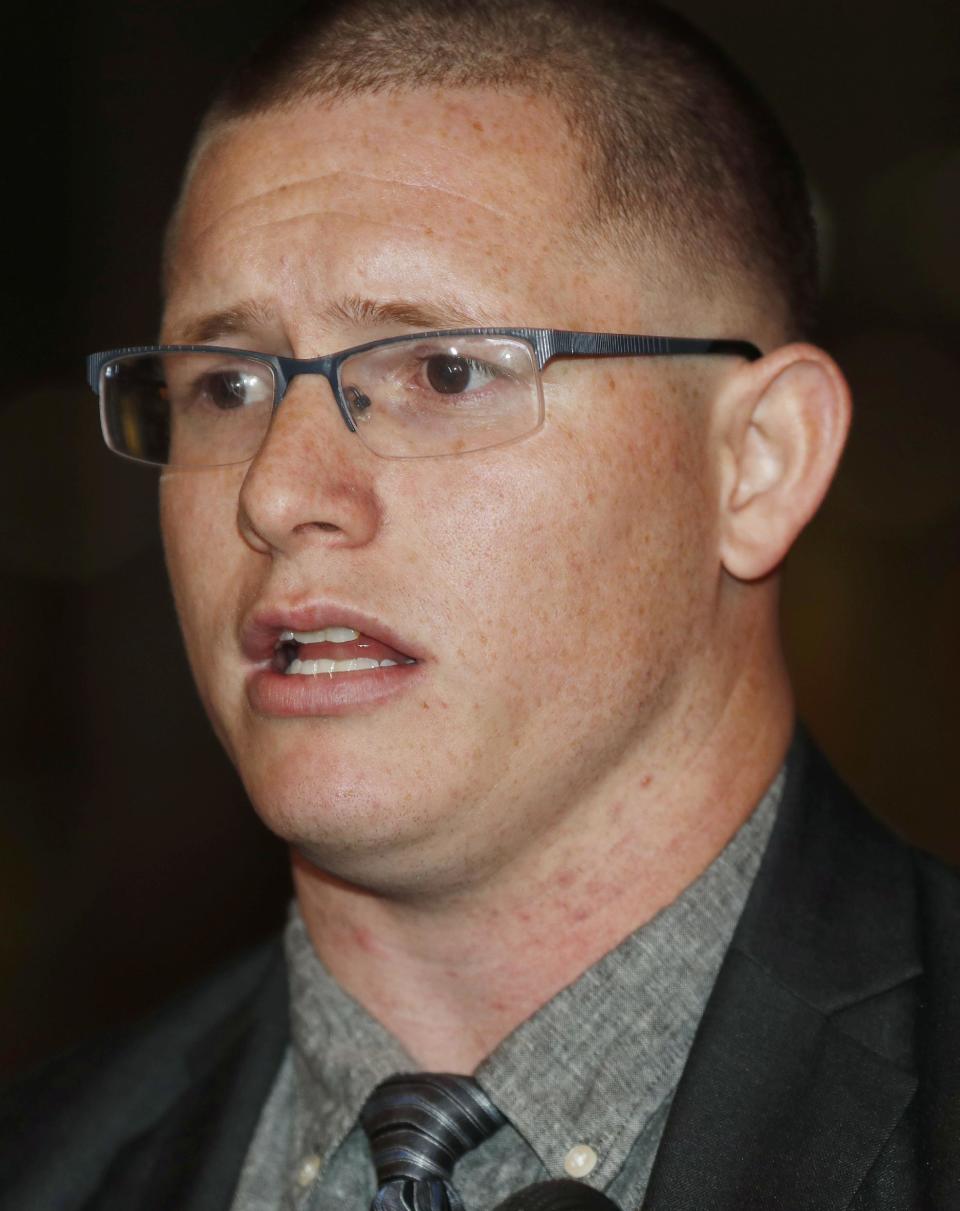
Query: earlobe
x,y
783,428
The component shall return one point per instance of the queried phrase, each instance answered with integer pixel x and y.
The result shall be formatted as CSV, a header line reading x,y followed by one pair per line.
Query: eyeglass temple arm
x,y
551,343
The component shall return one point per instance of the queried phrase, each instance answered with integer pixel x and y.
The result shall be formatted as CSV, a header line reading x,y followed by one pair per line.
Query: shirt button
x,y
307,1170
580,1160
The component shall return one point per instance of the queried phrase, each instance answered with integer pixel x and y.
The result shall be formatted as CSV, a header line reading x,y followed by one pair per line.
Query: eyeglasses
x,y
428,394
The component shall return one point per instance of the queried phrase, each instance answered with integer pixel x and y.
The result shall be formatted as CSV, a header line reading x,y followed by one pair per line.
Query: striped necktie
x,y
419,1125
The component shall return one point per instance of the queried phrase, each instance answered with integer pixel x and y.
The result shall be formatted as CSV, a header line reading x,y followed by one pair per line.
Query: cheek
x,y
197,516
574,555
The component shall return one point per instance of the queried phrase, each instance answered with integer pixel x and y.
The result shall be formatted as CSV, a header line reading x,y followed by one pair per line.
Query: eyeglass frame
x,y
546,343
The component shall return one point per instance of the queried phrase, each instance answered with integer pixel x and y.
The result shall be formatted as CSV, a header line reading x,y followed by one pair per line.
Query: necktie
x,y
419,1126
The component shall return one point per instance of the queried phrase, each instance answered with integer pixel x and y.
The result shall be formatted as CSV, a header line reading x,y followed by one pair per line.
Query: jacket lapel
x,y
795,1080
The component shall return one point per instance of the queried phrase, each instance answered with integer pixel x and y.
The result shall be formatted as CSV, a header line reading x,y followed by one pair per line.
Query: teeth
x,y
330,635
310,668
338,635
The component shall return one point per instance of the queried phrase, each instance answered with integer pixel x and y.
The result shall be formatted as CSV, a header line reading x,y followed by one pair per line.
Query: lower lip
x,y
293,695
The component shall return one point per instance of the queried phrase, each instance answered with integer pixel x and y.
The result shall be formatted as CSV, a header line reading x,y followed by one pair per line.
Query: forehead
x,y
476,195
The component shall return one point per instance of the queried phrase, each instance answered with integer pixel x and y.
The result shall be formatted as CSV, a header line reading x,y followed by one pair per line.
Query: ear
x,y
782,424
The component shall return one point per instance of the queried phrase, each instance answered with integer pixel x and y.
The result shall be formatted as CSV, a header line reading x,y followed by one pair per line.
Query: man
x,y
485,613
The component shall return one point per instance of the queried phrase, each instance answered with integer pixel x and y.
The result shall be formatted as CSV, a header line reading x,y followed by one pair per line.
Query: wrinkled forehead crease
x,y
289,200
328,169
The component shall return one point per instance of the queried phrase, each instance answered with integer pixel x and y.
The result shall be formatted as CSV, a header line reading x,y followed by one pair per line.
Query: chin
x,y
370,828
328,808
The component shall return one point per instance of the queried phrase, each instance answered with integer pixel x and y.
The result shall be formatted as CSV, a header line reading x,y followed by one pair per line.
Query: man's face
x,y
557,593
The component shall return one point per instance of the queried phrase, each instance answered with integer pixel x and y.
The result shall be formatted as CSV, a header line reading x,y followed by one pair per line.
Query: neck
x,y
494,953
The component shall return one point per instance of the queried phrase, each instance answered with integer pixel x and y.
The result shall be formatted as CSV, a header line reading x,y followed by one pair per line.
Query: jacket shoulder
x,y
61,1123
938,894
939,889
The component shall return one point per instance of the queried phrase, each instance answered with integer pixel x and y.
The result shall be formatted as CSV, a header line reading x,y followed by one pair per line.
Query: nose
x,y
312,480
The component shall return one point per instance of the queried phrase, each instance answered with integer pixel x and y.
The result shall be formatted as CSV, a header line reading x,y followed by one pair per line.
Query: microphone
x,y
561,1194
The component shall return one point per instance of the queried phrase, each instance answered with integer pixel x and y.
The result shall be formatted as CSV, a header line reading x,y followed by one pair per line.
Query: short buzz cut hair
x,y
677,147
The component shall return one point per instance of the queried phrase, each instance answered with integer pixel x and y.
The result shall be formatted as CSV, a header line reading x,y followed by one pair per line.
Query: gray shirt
x,y
585,1083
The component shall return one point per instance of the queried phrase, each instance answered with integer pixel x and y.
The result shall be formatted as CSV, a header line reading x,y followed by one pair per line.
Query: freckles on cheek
x,y
180,518
193,520
619,530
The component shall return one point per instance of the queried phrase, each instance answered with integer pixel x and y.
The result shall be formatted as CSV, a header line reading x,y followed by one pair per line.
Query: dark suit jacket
x,y
825,1073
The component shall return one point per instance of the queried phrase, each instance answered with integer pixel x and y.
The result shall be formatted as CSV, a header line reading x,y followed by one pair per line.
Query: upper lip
x,y
261,630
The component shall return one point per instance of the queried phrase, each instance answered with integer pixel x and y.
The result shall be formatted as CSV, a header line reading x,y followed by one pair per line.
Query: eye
x,y
450,374
228,390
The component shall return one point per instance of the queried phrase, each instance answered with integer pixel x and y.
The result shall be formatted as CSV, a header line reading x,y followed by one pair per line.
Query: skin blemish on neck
x,y
363,939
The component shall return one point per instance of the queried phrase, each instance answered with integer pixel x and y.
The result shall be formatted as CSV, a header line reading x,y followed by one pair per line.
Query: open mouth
x,y
334,650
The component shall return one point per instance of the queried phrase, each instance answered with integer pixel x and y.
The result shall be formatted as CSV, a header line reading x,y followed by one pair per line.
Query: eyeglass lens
x,y
409,398
441,396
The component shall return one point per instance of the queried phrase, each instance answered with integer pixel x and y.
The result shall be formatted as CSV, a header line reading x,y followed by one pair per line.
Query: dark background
x,y
129,859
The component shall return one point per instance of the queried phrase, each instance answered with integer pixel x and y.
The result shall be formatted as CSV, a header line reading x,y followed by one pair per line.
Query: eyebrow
x,y
352,311
244,317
